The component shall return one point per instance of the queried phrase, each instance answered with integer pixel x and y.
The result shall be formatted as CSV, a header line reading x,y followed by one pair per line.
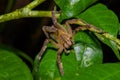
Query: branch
x,y
101,34
34,3
110,37
26,12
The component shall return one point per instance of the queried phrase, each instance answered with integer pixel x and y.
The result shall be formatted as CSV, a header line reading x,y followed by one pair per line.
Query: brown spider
x,y
61,37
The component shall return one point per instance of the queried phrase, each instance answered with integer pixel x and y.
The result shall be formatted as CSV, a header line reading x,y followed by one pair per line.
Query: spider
x,y
60,37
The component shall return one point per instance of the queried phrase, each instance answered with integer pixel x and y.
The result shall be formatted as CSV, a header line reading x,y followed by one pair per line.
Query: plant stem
x,y
34,3
102,34
98,32
26,12
41,14
110,37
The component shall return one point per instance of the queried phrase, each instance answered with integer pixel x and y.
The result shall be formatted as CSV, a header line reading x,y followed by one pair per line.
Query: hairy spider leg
x,y
47,30
56,24
68,28
83,26
59,61
76,21
60,50
54,18
72,21
39,55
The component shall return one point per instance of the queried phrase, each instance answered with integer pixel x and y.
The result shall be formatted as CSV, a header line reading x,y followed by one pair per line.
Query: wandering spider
x,y
61,37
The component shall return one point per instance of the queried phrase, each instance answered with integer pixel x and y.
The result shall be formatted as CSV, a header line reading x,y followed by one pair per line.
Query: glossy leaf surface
x,y
12,67
106,20
87,54
108,71
17,52
70,8
49,70
87,49
100,16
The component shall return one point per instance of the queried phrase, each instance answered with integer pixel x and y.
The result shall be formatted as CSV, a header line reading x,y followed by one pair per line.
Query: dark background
x,y
26,34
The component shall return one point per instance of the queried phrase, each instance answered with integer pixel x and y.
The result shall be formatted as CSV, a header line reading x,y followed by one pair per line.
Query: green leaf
x,y
100,16
17,52
88,54
47,66
87,49
108,71
49,71
71,8
119,29
12,67
86,37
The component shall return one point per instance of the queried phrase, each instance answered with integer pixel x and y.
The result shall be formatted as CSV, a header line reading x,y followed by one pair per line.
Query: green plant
x,y
85,60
